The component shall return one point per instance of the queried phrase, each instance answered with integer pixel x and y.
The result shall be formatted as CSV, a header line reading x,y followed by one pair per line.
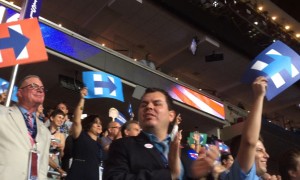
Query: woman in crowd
x,y
227,161
40,113
57,140
87,151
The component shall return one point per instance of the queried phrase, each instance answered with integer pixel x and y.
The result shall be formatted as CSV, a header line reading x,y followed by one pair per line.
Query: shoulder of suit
x,y
125,141
44,128
4,109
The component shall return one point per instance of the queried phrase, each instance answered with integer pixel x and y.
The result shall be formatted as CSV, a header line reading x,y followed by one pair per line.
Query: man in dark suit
x,y
151,154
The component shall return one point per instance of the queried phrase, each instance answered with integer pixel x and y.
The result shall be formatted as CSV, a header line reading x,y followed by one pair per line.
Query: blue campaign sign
x,y
279,63
103,85
4,88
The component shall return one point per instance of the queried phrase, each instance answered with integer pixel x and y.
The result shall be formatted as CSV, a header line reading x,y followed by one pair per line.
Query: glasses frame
x,y
115,127
34,86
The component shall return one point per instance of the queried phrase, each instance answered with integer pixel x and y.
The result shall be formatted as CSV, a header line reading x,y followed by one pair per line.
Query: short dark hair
x,y
57,112
62,102
235,144
126,126
288,161
168,97
225,156
88,122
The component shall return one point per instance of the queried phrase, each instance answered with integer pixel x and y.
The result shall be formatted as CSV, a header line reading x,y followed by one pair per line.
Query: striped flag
x,y
192,154
121,119
197,100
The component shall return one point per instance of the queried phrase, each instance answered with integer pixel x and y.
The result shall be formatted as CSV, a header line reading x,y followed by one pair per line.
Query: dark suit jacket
x,y
129,158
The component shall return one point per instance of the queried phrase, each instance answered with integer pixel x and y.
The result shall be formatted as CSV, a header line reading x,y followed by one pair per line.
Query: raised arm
x,y
77,127
174,156
252,126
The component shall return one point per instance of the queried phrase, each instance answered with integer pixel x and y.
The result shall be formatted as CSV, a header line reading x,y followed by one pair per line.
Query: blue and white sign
x,y
4,88
280,64
102,85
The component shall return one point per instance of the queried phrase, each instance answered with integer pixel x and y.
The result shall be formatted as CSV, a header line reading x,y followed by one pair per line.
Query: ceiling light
x,y
215,3
60,25
287,27
297,35
103,44
260,8
274,18
135,59
256,23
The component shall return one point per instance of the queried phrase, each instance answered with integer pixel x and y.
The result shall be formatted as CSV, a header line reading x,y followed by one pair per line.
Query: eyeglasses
x,y
115,127
34,86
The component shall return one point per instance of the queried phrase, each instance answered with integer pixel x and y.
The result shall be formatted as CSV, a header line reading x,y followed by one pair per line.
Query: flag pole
x,y
11,85
30,9
15,70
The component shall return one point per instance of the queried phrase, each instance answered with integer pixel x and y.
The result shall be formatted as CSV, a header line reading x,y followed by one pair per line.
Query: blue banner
x,y
31,9
280,64
102,85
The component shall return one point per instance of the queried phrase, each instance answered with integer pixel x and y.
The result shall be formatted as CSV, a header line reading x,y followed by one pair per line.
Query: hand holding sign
x,y
279,64
103,85
113,113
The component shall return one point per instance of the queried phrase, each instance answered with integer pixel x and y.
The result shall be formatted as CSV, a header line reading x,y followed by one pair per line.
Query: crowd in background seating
x,y
80,148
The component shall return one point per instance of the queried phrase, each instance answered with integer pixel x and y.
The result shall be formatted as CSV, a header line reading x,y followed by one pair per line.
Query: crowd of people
x,y
32,143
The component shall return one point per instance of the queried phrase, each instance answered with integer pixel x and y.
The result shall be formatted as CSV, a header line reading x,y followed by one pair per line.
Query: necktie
x,y
164,149
29,123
